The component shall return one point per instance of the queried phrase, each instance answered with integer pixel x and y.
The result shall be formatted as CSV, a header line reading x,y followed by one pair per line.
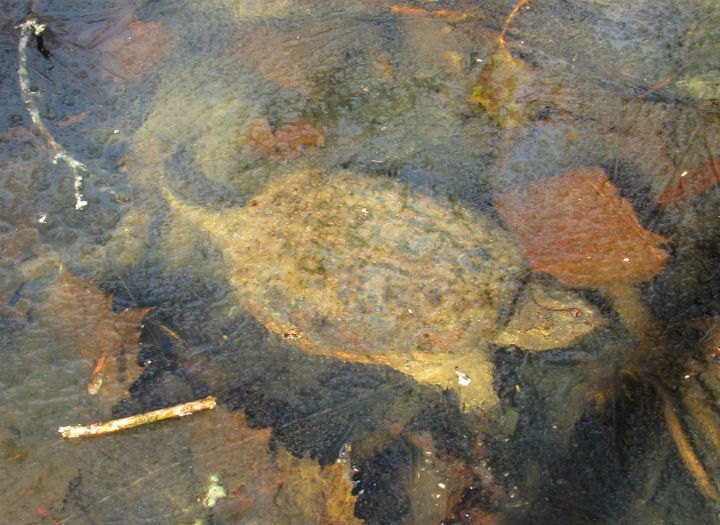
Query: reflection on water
x,y
439,262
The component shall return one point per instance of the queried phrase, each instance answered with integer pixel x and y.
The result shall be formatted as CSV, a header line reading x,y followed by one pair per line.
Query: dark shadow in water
x,y
314,405
612,462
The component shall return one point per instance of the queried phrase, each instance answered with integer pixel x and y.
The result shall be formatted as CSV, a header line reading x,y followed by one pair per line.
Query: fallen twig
x,y
409,10
664,82
690,459
95,429
31,27
506,25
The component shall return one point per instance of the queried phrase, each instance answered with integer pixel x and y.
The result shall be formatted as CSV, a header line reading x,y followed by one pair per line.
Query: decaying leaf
x,y
702,87
437,481
83,316
292,59
314,494
256,485
432,480
502,89
35,479
22,259
238,457
287,142
437,46
18,134
247,482
578,228
13,246
132,48
692,182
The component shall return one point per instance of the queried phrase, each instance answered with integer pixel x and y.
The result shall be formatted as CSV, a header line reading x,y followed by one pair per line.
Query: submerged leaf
x,y
238,457
578,228
692,182
287,142
83,316
314,494
502,90
133,47
258,485
23,259
293,59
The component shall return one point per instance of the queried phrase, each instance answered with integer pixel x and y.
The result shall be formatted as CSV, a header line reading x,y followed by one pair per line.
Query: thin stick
x,y
501,38
664,82
692,463
409,10
95,429
31,27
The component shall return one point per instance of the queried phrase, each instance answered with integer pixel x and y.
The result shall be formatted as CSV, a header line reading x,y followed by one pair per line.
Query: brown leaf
x,y
36,481
261,486
133,47
15,244
239,458
436,483
294,59
692,182
18,134
314,494
282,56
82,315
578,228
22,260
287,142
435,479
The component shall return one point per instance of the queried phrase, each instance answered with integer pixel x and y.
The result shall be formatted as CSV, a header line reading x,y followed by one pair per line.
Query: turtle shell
x,y
364,268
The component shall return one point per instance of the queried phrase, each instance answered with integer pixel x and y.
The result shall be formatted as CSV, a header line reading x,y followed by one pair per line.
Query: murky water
x,y
438,261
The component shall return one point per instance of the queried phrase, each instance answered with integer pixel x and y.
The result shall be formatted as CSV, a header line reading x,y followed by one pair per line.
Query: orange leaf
x,y
578,228
13,245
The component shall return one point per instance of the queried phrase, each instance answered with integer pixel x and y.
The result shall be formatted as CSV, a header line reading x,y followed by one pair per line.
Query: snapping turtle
x,y
365,269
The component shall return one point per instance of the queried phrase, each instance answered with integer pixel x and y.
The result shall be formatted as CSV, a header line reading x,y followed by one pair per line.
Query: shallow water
x,y
439,128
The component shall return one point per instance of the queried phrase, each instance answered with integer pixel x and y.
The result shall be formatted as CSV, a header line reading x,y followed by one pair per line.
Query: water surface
x,y
209,104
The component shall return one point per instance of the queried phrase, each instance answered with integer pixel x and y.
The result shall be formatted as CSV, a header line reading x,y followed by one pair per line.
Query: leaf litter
x,y
83,316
